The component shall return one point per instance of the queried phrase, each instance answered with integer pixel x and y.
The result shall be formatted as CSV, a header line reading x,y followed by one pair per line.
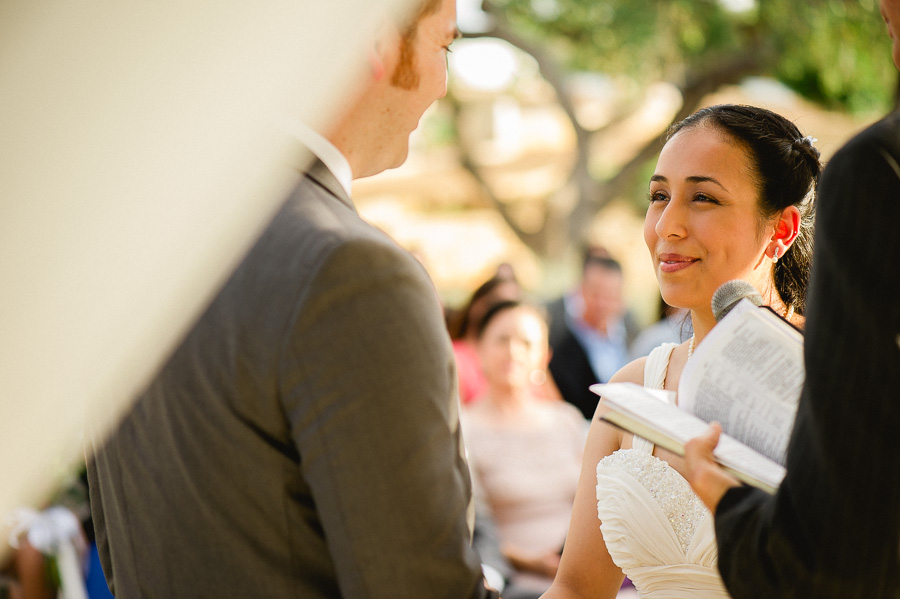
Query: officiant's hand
x,y
706,477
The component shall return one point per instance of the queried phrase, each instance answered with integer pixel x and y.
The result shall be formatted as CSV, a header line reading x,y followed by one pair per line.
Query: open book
x,y
747,375
641,411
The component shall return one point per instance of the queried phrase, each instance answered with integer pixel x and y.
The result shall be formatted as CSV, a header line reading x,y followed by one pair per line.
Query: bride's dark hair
x,y
787,169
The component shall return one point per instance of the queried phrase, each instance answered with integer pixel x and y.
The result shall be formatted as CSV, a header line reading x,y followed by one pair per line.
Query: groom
x,y
833,528
303,441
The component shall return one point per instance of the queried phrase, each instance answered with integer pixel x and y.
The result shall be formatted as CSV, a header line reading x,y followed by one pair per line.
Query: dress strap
x,y
657,365
655,369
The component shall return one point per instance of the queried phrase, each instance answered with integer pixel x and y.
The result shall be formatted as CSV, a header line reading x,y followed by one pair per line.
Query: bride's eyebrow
x,y
701,179
691,179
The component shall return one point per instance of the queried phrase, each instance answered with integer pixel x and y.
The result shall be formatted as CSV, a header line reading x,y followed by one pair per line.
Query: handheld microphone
x,y
730,293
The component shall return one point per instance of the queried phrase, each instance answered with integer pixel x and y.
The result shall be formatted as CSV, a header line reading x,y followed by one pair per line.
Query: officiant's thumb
x,y
700,448
711,437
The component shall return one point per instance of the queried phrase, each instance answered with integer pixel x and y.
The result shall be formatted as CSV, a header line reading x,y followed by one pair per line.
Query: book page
x,y
747,375
638,410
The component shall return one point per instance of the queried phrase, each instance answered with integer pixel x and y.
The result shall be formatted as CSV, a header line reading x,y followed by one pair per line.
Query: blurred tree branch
x,y
698,47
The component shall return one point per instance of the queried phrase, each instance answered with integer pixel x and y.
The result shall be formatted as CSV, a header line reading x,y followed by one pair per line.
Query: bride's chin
x,y
689,302
676,297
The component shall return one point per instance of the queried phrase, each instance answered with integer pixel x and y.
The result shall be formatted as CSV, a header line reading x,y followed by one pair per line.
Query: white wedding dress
x,y
656,529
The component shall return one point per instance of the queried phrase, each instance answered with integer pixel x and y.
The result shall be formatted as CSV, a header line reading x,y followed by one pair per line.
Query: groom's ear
x,y
384,51
376,65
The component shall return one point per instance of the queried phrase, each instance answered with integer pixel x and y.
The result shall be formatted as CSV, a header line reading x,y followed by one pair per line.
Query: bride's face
x,y
703,227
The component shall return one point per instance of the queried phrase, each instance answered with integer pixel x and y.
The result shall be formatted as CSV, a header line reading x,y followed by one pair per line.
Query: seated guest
x,y
524,451
591,335
463,329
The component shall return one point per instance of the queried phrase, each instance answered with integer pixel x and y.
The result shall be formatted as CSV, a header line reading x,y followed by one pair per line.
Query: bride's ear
x,y
787,227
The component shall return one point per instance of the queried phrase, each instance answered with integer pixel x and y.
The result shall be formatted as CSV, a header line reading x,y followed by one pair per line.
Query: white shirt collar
x,y
325,151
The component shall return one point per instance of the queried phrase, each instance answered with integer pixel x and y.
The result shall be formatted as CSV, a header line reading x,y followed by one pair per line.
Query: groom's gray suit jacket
x,y
303,440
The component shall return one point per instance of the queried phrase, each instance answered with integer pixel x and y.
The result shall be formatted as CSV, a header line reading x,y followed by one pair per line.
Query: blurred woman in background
x,y
524,451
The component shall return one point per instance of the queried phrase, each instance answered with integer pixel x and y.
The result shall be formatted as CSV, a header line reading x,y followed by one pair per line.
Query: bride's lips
x,y
675,262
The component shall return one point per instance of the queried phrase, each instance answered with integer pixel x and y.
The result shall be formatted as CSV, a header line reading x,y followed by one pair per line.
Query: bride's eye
x,y
702,197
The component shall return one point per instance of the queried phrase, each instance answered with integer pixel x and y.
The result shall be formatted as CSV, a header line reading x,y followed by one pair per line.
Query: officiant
x,y
833,527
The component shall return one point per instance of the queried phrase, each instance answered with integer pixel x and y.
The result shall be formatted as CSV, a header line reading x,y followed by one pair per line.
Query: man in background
x,y
303,441
590,331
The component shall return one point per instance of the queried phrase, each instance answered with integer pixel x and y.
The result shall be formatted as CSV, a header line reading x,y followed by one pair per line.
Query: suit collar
x,y
318,172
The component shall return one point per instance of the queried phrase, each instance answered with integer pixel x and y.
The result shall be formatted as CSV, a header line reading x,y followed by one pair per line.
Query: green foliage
x,y
834,52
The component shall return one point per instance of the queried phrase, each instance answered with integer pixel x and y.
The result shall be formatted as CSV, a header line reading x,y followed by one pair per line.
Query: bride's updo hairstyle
x,y
786,168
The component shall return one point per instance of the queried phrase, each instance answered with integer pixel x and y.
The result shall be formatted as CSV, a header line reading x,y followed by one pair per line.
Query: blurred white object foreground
x,y
143,150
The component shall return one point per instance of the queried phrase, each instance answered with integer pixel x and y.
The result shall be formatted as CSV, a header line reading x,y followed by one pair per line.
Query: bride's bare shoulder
x,y
633,372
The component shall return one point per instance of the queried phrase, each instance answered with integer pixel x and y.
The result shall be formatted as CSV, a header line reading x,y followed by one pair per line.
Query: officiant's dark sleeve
x,y
833,529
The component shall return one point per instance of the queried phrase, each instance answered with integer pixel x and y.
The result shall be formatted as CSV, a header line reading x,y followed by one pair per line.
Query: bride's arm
x,y
586,569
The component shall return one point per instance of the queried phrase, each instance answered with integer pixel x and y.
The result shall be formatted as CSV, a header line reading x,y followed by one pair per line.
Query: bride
x,y
731,198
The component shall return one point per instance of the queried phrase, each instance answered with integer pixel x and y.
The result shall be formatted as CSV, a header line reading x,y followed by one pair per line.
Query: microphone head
x,y
730,293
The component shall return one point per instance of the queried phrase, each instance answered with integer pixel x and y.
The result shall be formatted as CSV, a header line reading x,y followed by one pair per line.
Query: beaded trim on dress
x,y
682,507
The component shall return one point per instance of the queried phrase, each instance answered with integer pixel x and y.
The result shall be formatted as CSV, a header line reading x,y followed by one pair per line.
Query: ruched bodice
x,y
656,529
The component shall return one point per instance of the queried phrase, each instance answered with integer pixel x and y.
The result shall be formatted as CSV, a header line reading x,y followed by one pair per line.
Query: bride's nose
x,y
672,223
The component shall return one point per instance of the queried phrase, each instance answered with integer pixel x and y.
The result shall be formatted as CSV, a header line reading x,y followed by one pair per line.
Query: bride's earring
x,y
775,256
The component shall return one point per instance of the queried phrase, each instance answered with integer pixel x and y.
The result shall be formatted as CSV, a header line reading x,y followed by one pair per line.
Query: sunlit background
x,y
555,115
493,174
